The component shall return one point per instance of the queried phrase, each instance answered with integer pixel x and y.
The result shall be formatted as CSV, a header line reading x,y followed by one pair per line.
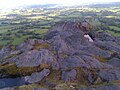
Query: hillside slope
x,y
63,60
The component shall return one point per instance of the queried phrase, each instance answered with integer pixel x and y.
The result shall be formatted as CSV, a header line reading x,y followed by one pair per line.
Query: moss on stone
x,y
101,59
114,82
10,56
54,77
13,70
13,47
81,77
65,86
103,83
41,46
29,87
9,69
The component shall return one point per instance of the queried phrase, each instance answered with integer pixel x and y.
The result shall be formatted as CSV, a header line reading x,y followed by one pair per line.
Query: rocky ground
x,y
63,60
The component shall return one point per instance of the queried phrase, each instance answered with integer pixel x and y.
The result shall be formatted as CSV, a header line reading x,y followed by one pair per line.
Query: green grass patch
x,y
113,33
115,28
5,28
29,87
41,31
5,42
17,40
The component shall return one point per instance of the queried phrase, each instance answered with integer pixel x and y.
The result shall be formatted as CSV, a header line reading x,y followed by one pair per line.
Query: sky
x,y
15,3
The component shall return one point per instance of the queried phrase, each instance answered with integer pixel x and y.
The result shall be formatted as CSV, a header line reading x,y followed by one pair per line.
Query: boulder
x,y
37,76
34,58
33,78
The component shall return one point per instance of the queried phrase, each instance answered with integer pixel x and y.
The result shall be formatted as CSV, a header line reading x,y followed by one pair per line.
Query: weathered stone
x,y
77,40
117,39
5,51
114,62
25,46
103,36
93,63
33,78
59,45
72,62
108,45
90,78
109,75
38,76
82,61
69,75
97,52
10,82
65,34
29,45
109,87
34,58
50,35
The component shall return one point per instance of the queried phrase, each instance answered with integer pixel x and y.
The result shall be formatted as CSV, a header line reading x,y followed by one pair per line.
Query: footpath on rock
x,y
65,59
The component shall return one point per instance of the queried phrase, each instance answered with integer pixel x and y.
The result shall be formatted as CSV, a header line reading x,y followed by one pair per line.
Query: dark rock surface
x,y
69,75
5,51
33,78
114,62
109,75
33,58
10,82
72,62
64,58
8,89
103,36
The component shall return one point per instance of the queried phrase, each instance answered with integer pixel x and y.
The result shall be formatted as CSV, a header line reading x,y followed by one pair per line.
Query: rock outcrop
x,y
63,60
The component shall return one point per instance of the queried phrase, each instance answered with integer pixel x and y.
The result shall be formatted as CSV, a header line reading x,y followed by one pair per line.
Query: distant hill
x,y
42,6
103,5
95,5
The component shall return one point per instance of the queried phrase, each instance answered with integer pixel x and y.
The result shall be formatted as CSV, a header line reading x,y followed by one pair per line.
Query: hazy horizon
x,y
16,3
